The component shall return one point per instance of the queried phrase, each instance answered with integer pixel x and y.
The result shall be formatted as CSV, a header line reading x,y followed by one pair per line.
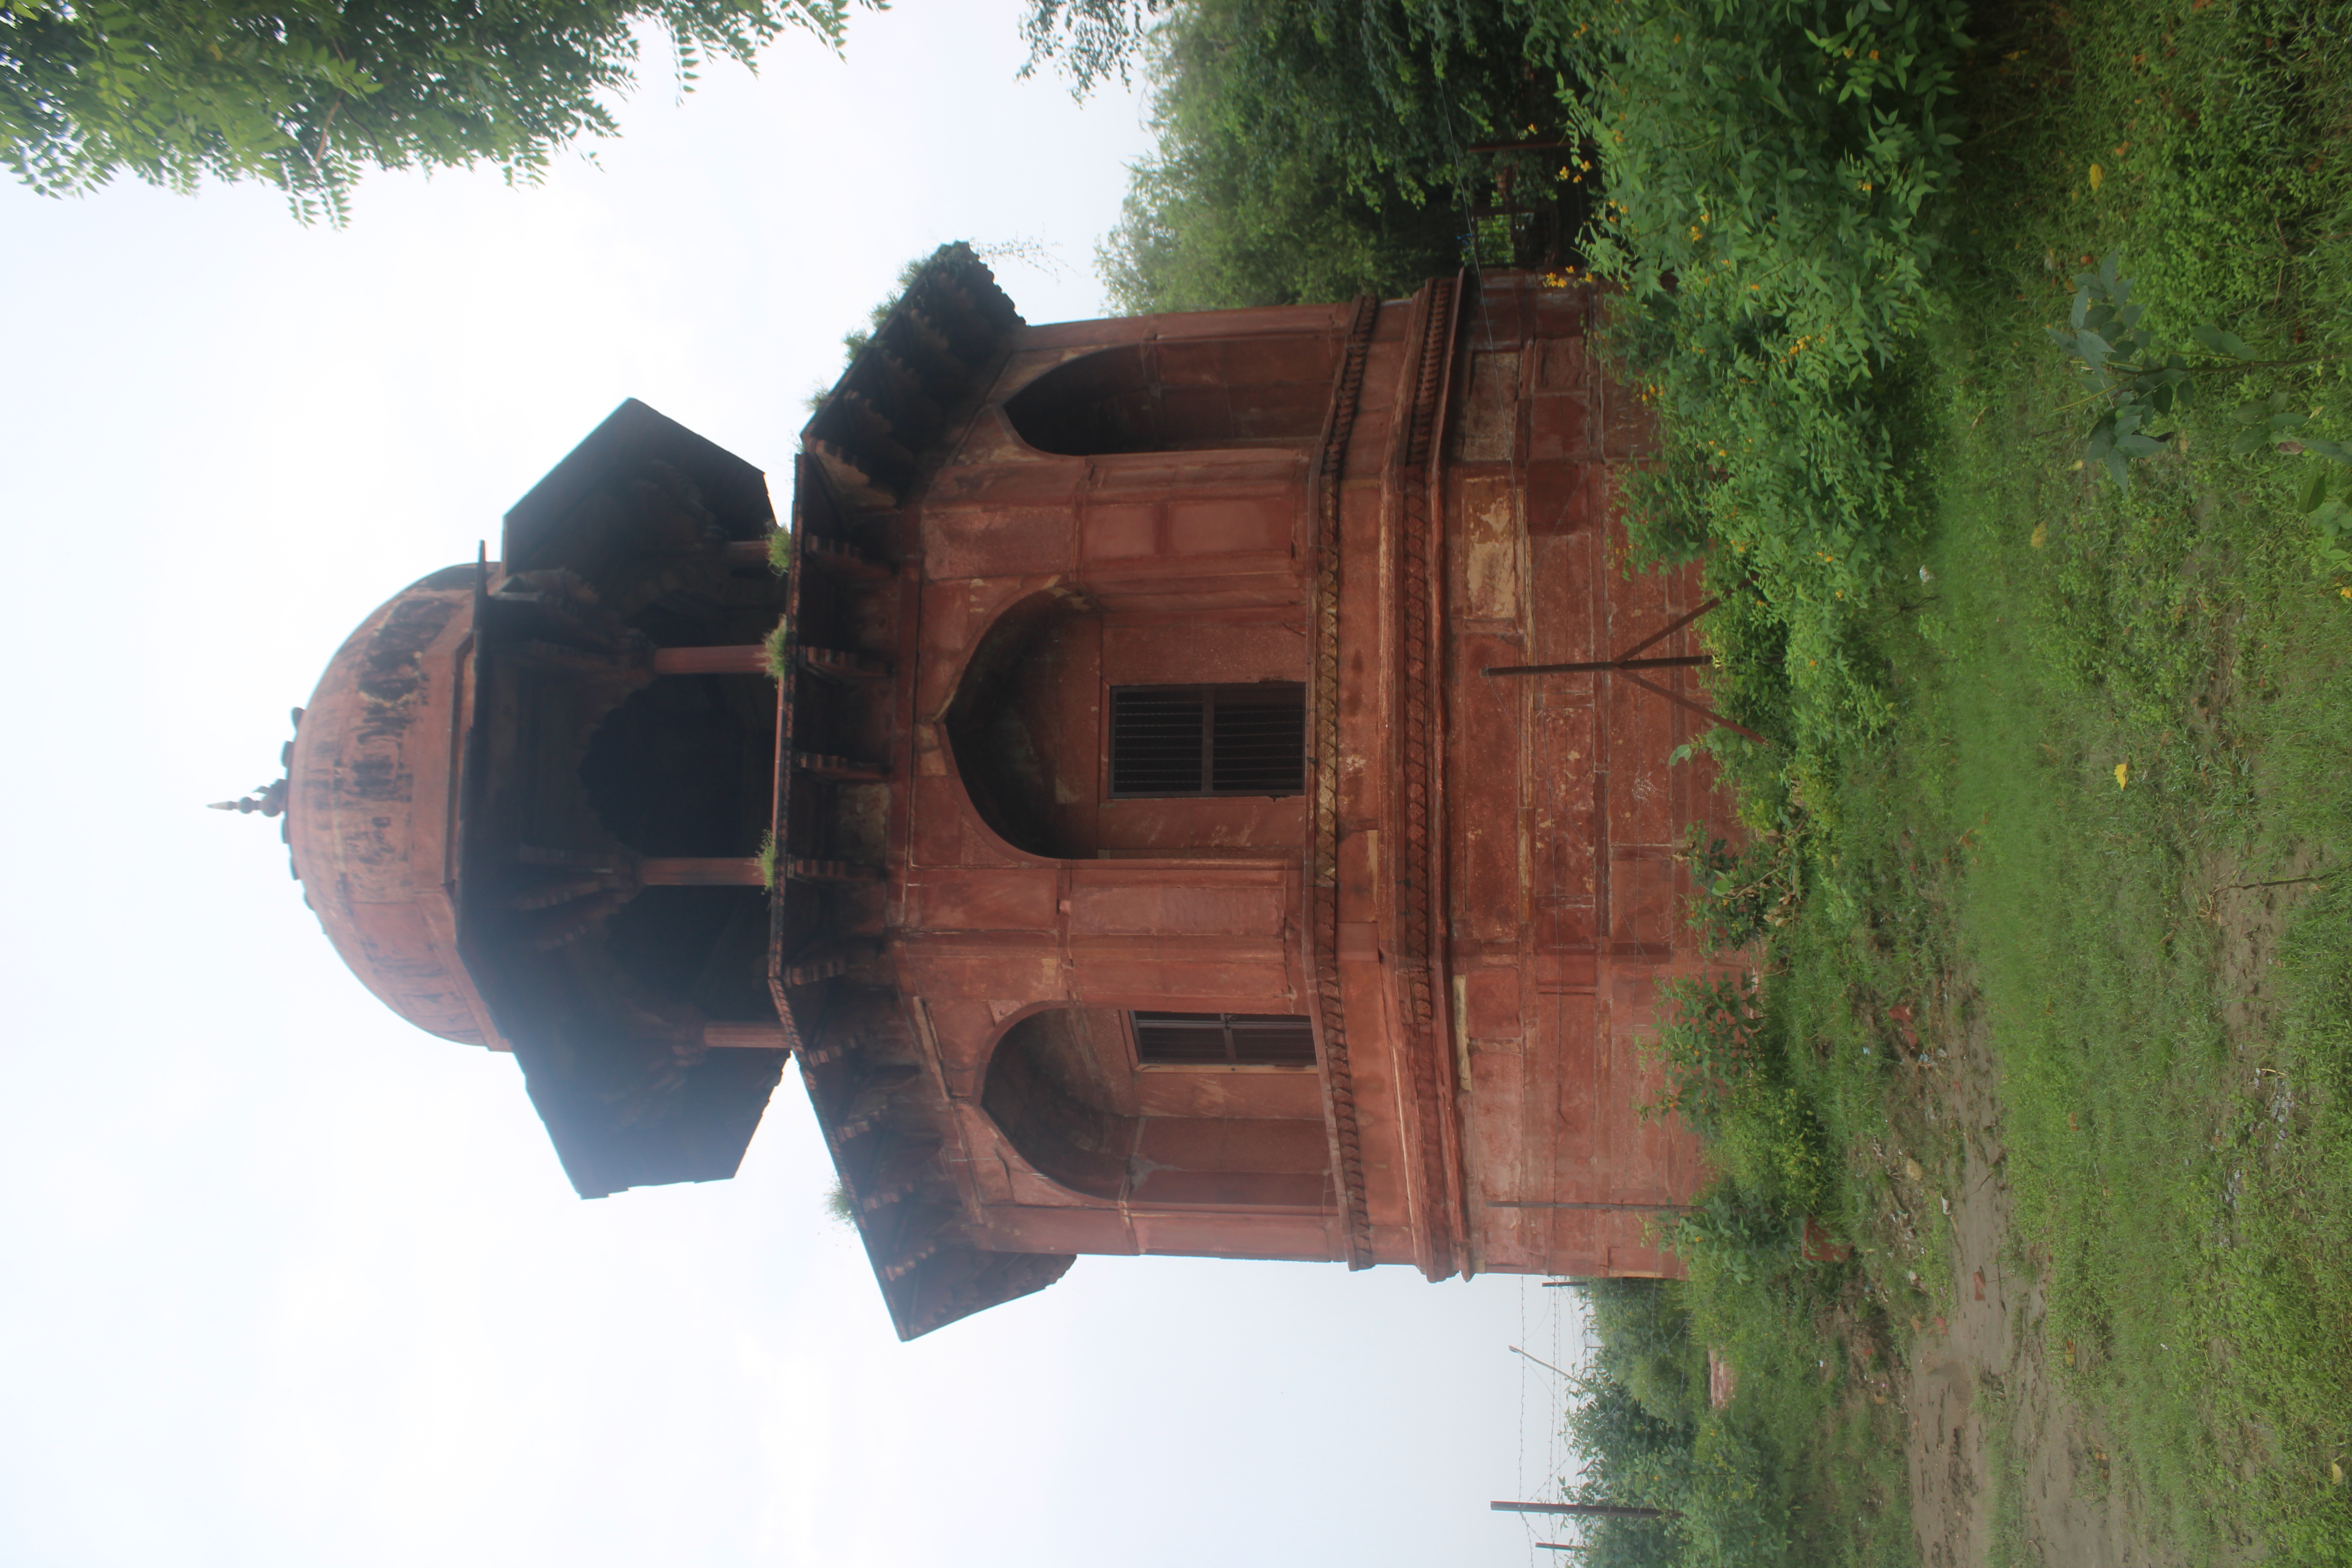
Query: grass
x,y
2174,1105
2174,1121
2173,1043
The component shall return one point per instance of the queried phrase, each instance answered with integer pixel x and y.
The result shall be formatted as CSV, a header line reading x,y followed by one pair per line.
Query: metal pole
x,y
1538,1359
1680,702
1605,1208
1611,665
1624,660
1625,664
1669,630
1601,1207
1586,1509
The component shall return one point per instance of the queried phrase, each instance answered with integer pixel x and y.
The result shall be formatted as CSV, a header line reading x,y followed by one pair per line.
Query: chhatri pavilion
x,y
1093,788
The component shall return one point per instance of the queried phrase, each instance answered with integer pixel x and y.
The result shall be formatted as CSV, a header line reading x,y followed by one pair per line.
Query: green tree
x,y
1307,149
1629,1454
1091,40
306,94
1207,225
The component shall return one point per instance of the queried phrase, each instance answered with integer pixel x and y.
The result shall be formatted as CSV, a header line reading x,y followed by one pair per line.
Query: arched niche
x,y
1048,1094
1016,744
1167,396
1082,733
1063,1088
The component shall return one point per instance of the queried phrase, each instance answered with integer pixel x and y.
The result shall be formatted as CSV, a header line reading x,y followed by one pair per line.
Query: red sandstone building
x,y
1154,869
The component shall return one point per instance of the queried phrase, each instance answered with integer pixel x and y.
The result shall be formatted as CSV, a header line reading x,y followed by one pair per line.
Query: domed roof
x,y
371,807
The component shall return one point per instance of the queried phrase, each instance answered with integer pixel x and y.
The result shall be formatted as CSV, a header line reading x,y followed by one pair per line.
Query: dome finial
x,y
269,799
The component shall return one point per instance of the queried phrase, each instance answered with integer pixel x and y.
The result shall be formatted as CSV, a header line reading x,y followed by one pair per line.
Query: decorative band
x,y
1323,842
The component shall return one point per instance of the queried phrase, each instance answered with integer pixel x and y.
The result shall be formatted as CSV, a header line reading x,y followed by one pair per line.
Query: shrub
x,y
1736,1235
1644,1436
1742,893
1625,1454
1768,170
1727,1077
1646,1345
1711,1042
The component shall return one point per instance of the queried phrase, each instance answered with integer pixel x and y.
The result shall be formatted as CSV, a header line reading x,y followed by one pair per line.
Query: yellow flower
x,y
2098,176
2123,775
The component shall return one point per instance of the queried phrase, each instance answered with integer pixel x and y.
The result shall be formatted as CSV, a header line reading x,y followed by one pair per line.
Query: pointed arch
x,y
1179,395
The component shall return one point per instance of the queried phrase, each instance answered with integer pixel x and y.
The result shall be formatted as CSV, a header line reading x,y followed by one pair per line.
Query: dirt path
x,y
2005,1469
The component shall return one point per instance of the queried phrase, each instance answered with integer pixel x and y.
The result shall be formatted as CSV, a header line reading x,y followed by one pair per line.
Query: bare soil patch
x,y
2250,912
2006,1467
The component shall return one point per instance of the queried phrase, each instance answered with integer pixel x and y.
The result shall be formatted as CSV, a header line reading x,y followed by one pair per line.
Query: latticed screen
x,y
1238,1039
1208,740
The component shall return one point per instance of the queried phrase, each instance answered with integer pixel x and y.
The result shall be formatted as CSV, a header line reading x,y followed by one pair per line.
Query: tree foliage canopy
x,y
1090,40
1307,149
305,94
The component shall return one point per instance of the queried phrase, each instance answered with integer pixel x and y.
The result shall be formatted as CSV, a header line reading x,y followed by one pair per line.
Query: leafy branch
x,y
2123,366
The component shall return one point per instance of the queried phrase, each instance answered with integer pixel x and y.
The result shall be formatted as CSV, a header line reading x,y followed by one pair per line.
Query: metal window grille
x,y
1236,1039
1208,740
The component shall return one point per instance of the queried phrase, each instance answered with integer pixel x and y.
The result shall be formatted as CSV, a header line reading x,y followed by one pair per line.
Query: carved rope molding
x,y
1323,851
1417,640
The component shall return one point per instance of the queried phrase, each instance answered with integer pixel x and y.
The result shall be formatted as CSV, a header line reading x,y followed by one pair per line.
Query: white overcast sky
x,y
285,1282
